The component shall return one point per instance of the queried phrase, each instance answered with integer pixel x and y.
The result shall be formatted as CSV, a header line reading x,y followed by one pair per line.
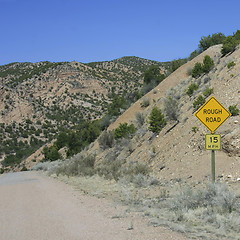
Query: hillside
x,y
40,100
165,175
87,86
177,153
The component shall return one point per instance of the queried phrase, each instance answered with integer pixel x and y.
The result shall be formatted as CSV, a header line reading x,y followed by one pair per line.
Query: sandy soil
x,y
34,206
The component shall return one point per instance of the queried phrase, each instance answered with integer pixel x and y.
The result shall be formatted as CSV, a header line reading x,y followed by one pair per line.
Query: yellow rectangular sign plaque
x,y
213,141
212,114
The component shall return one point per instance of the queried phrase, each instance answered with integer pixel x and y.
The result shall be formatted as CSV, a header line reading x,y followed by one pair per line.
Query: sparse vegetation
x,y
231,64
51,153
106,139
200,68
195,129
197,70
171,108
215,206
230,43
175,64
193,87
78,165
208,64
208,92
145,102
198,102
234,110
124,130
211,40
156,120
140,117
152,77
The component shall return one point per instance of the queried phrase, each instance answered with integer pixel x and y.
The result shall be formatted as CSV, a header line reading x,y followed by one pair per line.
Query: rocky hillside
x,y
178,153
29,89
39,100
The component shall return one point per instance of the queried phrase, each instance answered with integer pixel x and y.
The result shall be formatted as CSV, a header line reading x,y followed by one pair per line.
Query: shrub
x,y
231,64
171,108
133,171
110,169
118,103
175,64
153,75
145,102
206,42
200,68
191,89
234,110
51,153
198,102
124,130
195,129
24,169
78,165
229,45
208,64
156,120
197,70
216,197
140,118
208,92
106,140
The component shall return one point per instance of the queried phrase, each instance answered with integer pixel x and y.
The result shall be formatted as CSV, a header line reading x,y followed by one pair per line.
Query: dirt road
x,y
36,207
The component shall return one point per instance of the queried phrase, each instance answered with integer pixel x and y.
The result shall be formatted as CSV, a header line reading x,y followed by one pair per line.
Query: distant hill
x,y
39,100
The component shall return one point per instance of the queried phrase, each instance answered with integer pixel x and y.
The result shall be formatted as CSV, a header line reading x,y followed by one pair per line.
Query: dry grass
x,y
210,212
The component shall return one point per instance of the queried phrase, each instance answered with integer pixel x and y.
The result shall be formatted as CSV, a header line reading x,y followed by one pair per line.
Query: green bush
x,y
191,89
153,74
208,64
197,70
208,92
118,103
124,130
156,120
175,64
234,110
206,67
231,64
230,43
152,77
206,42
51,153
24,169
198,102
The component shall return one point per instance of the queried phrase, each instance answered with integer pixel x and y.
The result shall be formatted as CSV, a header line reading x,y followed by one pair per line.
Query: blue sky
x,y
99,30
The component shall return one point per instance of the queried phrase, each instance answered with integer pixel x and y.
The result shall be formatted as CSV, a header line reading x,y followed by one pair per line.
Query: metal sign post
x,y
213,142
212,114
213,166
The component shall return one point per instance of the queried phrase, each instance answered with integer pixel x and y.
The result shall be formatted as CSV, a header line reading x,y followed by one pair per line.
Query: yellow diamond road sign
x,y
212,114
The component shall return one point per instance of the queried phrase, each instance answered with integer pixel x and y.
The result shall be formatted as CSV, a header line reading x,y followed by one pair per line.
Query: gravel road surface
x,y
36,207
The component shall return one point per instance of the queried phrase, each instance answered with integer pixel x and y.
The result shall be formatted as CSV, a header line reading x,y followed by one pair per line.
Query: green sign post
x,y
212,114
